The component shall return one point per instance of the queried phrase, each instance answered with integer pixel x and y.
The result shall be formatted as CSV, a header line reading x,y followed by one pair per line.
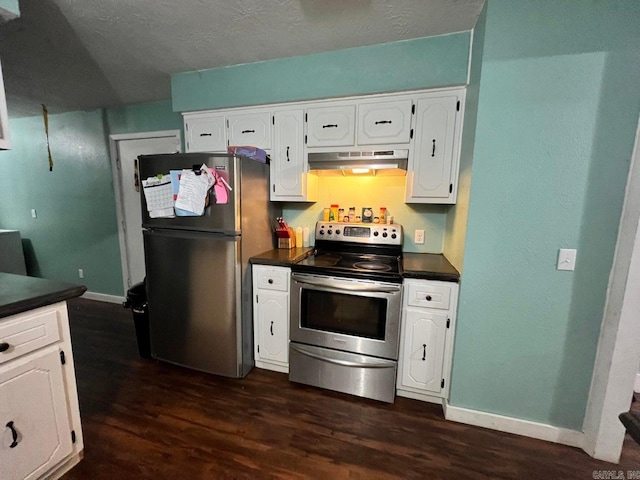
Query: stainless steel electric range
x,y
345,310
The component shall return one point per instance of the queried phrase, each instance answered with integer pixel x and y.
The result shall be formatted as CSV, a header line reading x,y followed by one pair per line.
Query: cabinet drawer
x,y
205,134
27,332
331,126
384,123
250,129
429,295
272,278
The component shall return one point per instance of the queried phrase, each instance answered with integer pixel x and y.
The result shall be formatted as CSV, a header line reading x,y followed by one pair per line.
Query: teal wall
x,y
411,64
76,224
11,6
558,108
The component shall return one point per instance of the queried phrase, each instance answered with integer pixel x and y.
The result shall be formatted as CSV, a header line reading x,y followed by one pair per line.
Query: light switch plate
x,y
567,259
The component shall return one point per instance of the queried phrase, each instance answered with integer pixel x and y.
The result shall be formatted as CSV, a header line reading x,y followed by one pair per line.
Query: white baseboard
x,y
103,297
636,383
526,428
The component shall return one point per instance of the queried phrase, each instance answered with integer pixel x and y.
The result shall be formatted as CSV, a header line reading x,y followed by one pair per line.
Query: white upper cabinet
x,y
205,133
215,131
5,139
331,126
384,122
289,178
253,129
426,123
432,176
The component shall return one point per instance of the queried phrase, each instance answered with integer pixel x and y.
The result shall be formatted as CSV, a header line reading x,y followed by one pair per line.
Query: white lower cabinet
x,y
426,341
39,415
271,317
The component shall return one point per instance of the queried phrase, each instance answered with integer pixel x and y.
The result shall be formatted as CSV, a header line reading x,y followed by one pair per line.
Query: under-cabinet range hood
x,y
370,162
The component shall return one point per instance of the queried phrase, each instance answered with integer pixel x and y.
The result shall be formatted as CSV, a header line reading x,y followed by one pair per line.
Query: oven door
x,y
351,315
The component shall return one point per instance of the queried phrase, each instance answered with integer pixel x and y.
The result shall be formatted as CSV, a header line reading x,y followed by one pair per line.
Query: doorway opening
x,y
125,149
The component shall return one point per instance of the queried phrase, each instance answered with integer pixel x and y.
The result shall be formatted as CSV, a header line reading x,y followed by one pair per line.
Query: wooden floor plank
x,y
144,419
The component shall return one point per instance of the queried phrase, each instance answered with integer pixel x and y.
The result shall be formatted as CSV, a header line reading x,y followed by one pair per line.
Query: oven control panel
x,y
368,233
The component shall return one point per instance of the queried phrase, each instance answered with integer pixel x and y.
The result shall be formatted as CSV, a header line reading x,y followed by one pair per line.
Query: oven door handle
x,y
371,363
345,286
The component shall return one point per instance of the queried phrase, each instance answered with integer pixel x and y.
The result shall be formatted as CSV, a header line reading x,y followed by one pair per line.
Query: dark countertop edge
x,y
53,292
441,270
443,277
279,257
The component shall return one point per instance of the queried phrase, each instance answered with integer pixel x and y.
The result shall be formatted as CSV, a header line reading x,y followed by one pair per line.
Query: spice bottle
x,y
352,214
333,215
341,214
383,215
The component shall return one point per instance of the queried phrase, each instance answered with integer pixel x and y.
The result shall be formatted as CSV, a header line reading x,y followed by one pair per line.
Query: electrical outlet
x,y
419,236
33,213
566,259
80,273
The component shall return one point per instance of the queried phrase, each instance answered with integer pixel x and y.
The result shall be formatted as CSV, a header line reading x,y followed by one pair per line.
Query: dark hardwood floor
x,y
144,419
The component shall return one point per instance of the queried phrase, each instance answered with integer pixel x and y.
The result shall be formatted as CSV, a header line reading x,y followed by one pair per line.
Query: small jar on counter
x,y
352,214
341,214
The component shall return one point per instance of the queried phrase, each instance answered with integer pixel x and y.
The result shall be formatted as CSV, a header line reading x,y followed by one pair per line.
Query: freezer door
x,y
221,218
193,289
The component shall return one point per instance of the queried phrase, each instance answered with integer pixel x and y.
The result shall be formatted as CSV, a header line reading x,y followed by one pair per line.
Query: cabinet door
x,y
431,160
384,122
287,160
273,326
205,133
253,129
423,355
331,126
33,409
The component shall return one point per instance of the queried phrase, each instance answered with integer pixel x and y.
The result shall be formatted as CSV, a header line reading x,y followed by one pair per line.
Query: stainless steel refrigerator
x,y
198,276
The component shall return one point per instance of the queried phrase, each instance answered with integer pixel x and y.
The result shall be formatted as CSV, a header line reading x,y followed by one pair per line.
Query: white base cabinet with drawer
x,y
39,415
271,317
426,339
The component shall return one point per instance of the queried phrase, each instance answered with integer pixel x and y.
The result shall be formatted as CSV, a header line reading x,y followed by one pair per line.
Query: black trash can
x,y
137,301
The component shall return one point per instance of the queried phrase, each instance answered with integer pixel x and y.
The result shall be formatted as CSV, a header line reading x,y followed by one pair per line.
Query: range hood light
x,y
359,171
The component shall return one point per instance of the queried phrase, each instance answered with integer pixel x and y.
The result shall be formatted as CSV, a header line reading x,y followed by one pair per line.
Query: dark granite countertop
x,y
429,266
426,266
282,257
19,293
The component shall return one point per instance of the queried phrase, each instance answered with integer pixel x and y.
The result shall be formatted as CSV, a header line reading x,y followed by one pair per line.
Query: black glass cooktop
x,y
383,267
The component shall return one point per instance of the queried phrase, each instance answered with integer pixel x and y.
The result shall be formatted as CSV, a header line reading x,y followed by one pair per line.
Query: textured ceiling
x,y
84,54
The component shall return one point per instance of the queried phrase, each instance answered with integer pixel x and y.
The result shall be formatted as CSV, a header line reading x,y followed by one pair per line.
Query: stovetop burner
x,y
374,266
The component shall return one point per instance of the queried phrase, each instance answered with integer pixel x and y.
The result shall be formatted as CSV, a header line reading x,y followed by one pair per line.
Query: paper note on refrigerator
x,y
158,196
193,189
175,188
